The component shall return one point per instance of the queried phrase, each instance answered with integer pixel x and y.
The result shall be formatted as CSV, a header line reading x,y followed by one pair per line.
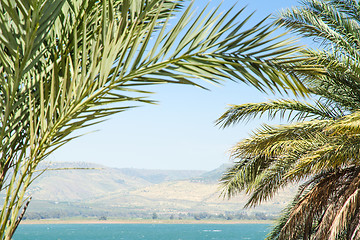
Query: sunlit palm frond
x,y
325,22
291,109
324,152
288,153
267,157
348,125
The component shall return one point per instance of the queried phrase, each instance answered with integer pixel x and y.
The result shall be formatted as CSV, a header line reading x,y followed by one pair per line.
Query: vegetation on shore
x,y
104,216
143,221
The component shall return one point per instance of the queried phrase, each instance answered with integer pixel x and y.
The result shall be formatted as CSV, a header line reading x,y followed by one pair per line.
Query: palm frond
x,y
265,160
324,22
295,110
323,151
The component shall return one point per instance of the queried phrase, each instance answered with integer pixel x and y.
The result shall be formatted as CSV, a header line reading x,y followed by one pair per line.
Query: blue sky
x,y
179,132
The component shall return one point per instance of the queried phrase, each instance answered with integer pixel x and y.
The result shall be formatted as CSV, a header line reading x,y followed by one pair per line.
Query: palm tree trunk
x,y
307,230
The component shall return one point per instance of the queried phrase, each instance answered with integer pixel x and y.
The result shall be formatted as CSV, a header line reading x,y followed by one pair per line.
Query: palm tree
x,y
65,65
320,146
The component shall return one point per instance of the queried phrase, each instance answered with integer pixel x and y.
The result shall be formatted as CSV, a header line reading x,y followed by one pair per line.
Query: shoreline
x,y
142,221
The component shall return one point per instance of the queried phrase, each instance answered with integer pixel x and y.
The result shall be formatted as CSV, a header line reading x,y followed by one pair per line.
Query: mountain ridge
x,y
129,193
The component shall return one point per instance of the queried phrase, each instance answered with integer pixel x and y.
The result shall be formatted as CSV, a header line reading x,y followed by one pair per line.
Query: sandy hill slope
x,y
116,192
87,181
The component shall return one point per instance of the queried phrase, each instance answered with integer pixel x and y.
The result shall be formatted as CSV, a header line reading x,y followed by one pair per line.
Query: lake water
x,y
142,231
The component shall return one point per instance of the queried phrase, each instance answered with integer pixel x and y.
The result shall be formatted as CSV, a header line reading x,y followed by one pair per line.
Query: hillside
x,y
90,181
137,193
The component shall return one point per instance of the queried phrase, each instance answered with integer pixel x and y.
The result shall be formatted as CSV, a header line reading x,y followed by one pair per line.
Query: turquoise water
x,y
142,231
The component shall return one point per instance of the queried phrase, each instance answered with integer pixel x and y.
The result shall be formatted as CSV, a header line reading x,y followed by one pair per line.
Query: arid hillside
x,y
90,190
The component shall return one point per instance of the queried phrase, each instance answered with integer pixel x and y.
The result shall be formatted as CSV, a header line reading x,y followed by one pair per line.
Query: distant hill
x,y
159,176
89,181
212,176
134,193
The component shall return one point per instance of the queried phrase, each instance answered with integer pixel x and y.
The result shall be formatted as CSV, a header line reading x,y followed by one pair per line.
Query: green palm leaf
x,y
66,65
322,148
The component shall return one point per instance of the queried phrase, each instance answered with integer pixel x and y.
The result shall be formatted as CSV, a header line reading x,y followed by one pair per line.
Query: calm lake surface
x,y
142,231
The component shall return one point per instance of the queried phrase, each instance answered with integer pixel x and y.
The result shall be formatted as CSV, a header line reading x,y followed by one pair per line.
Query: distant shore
x,y
143,221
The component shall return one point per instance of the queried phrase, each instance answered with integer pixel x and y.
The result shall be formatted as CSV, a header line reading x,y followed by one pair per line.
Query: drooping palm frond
x,y
320,207
294,109
322,152
325,21
276,156
268,156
